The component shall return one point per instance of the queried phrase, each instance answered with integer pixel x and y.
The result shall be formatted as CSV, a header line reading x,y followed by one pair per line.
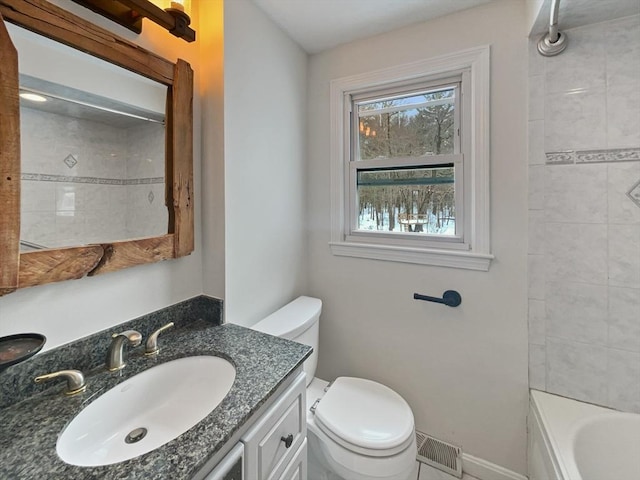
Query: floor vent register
x,y
439,454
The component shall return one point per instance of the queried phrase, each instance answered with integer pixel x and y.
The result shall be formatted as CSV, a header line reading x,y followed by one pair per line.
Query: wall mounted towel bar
x,y
450,298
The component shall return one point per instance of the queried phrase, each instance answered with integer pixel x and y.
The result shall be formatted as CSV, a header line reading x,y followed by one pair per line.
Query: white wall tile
x,y
536,276
581,66
38,227
536,96
624,256
536,231
536,142
623,115
577,370
145,158
576,252
576,193
70,226
537,366
575,120
536,61
536,187
577,311
537,321
37,196
624,318
622,41
621,177
623,373
66,198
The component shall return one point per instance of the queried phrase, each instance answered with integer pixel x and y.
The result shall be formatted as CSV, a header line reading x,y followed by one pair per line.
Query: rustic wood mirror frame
x,y
19,270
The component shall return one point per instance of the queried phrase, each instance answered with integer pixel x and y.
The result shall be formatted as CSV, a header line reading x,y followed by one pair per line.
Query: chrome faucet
x,y
75,380
115,356
151,347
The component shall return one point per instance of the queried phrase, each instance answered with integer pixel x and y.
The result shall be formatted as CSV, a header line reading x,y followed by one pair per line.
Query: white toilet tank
x,y
297,321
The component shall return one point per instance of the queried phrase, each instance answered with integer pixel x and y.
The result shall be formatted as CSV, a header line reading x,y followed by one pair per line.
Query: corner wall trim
x,y
484,470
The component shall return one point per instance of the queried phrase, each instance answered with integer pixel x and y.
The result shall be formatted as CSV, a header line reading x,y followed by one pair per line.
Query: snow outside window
x,y
410,163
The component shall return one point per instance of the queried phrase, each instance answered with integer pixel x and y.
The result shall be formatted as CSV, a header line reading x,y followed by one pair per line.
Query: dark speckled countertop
x,y
29,428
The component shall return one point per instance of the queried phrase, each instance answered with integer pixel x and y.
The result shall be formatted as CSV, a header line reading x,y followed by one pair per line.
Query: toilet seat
x,y
365,417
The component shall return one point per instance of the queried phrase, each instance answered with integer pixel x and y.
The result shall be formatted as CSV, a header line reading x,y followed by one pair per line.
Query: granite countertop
x,y
30,427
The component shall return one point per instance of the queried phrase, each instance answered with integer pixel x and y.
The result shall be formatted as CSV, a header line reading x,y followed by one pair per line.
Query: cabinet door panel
x,y
274,440
297,469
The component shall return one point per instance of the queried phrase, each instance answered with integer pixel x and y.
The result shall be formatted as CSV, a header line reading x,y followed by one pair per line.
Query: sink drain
x,y
136,435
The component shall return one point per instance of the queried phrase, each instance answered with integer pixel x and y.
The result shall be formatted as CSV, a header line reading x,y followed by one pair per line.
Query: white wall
x,y
584,247
463,370
211,41
265,114
70,310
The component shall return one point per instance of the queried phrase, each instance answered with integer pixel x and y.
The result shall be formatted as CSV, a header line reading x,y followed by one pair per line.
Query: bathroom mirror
x,y
115,125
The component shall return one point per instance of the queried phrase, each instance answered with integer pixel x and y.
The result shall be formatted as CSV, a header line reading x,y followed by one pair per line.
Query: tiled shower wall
x,y
147,214
85,182
584,216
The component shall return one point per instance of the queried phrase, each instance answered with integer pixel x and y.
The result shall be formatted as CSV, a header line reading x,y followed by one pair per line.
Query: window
x,y
405,158
410,163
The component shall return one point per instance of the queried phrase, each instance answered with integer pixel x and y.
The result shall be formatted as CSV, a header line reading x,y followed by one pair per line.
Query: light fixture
x,y
170,14
32,97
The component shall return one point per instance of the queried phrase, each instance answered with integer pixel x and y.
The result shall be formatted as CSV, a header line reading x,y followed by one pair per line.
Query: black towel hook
x,y
450,298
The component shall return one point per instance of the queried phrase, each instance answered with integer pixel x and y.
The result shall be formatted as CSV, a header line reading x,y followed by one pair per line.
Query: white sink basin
x,y
146,411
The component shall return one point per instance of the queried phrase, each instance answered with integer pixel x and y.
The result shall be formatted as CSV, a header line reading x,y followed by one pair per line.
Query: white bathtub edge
x,y
541,460
485,470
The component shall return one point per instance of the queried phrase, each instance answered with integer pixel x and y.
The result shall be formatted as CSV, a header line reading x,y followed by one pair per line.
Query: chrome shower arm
x,y
553,42
554,34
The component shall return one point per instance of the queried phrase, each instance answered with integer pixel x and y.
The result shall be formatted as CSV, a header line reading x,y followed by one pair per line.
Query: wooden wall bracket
x,y
129,14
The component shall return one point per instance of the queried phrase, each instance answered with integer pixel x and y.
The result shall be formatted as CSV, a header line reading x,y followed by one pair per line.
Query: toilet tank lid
x,y
291,320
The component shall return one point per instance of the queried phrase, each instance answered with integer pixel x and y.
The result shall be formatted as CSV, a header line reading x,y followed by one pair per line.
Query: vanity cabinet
x,y
276,446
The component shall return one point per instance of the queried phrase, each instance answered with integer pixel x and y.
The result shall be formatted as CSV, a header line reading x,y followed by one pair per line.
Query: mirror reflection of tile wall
x,y
85,182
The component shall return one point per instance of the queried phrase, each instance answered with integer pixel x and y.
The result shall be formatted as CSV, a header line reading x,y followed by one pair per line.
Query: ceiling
x,y
322,24
576,13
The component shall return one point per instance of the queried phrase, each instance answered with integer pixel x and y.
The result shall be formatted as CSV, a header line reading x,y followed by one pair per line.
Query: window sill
x,y
423,256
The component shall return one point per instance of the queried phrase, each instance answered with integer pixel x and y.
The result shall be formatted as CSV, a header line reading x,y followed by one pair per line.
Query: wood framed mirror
x,y
24,269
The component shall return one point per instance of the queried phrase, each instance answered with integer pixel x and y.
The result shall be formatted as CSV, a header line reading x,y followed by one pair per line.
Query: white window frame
x,y
473,250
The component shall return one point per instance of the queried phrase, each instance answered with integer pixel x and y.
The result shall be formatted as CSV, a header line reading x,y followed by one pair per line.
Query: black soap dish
x,y
16,348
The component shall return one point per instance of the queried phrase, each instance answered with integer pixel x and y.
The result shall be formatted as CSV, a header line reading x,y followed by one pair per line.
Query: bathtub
x,y
571,440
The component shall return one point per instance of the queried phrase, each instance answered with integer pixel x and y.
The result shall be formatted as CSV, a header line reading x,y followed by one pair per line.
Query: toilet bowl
x,y
358,429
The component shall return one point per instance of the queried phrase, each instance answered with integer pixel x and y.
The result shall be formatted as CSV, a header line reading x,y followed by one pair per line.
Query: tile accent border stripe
x,y
43,177
593,156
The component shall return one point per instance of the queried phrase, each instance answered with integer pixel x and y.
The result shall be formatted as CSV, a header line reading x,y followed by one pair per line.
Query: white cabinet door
x,y
273,441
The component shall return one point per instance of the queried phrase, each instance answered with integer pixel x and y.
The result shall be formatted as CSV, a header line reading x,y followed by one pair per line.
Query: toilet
x,y
357,429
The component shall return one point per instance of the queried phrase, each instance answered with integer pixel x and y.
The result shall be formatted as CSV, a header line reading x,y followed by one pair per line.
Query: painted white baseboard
x,y
484,470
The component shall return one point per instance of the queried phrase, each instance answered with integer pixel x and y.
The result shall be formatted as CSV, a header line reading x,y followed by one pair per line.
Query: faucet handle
x,y
151,347
74,378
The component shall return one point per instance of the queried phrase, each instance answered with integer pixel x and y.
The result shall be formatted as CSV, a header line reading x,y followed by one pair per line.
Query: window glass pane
x,y
417,199
409,126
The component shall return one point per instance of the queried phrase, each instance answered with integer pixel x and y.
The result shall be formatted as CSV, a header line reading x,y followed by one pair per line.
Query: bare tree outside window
x,y
407,199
